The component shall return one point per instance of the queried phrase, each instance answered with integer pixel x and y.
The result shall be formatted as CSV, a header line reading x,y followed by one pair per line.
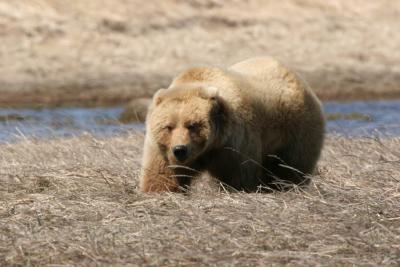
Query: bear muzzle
x,y
181,152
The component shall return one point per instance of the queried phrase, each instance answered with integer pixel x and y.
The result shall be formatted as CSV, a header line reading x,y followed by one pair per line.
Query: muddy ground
x,y
99,52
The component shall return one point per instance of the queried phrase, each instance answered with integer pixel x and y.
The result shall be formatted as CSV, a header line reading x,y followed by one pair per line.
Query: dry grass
x,y
74,202
93,52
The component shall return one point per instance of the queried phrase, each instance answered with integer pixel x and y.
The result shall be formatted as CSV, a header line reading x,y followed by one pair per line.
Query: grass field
x,y
99,52
74,202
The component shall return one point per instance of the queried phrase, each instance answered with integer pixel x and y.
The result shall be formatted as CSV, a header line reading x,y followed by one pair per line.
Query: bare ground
x,y
74,202
94,52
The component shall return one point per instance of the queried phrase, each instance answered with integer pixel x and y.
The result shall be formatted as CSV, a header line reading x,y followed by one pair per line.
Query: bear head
x,y
186,121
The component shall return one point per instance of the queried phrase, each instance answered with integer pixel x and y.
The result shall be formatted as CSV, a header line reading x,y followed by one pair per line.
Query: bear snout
x,y
181,152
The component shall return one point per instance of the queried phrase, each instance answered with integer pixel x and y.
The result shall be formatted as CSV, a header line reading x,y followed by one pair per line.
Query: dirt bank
x,y
101,52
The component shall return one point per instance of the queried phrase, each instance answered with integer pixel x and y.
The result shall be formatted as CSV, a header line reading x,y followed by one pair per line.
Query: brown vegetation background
x,y
93,52
74,202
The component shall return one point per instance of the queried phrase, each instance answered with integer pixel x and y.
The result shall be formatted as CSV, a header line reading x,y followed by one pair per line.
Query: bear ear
x,y
158,96
212,92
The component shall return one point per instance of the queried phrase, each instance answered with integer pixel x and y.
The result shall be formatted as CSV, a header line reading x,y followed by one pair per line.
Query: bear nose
x,y
180,152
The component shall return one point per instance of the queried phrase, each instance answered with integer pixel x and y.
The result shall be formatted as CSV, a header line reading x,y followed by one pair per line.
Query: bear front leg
x,y
236,170
156,176
248,157
159,176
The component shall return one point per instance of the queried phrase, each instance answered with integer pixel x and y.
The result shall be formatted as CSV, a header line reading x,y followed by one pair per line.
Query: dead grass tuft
x,y
68,202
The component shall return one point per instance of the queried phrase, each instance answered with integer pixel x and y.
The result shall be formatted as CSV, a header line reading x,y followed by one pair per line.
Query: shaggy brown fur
x,y
254,124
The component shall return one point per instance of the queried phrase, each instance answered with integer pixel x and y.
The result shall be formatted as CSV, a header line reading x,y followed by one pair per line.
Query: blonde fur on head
x,y
212,91
158,96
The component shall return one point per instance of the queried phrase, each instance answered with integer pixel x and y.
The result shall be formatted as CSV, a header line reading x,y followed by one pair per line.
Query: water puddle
x,y
363,118
352,119
18,124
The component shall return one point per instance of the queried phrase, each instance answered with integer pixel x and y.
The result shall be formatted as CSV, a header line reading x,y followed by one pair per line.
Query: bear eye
x,y
168,127
192,127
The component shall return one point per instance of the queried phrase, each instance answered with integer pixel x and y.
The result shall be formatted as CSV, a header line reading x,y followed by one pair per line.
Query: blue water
x,y
384,118
62,122
383,121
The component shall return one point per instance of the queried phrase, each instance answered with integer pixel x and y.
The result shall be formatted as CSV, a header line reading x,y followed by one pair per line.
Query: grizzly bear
x,y
255,126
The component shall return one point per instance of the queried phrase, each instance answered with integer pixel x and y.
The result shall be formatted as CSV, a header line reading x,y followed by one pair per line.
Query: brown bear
x,y
253,126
